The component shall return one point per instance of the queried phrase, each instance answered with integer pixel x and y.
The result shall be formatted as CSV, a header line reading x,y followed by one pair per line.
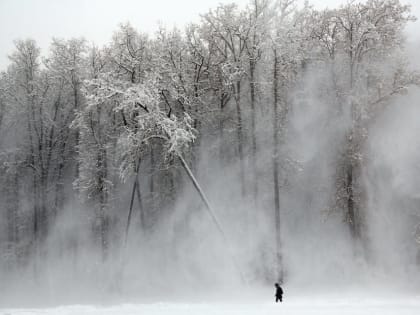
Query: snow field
x,y
399,306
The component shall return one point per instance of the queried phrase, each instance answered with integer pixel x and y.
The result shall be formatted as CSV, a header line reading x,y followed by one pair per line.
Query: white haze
x,y
392,178
185,257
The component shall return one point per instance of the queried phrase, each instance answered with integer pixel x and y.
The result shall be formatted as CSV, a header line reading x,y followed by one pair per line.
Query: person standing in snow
x,y
279,293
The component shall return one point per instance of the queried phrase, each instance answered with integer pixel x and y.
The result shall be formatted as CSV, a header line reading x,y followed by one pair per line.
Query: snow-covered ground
x,y
297,306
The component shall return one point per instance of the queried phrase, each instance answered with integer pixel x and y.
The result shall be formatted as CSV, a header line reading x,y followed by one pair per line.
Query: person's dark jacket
x,y
279,291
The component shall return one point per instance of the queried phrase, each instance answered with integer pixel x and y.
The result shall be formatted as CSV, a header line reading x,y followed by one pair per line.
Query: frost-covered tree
x,y
28,90
137,111
66,65
227,34
364,36
130,53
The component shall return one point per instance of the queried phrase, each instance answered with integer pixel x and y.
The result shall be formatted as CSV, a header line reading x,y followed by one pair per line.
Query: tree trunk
x,y
253,130
152,177
211,213
353,216
350,180
43,205
12,208
130,211
240,136
276,116
171,182
76,134
223,99
35,222
59,188
351,211
103,202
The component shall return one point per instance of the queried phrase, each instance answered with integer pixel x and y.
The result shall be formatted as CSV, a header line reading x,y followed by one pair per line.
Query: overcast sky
x,y
96,20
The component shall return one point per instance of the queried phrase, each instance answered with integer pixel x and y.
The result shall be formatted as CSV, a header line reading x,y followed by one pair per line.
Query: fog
x,y
185,257
181,256
392,178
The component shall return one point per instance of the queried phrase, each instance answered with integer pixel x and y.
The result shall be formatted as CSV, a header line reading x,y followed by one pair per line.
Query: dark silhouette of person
x,y
279,293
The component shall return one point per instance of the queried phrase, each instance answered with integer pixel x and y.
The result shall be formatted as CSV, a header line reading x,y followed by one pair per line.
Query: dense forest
x,y
204,147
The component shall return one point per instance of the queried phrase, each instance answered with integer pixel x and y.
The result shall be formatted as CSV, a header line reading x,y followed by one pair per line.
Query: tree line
x,y
80,122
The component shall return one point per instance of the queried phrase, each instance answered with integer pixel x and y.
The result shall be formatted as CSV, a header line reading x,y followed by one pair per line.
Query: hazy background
x,y
184,254
96,20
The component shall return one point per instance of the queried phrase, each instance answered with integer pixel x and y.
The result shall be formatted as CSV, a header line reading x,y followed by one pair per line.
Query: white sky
x,y
96,20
